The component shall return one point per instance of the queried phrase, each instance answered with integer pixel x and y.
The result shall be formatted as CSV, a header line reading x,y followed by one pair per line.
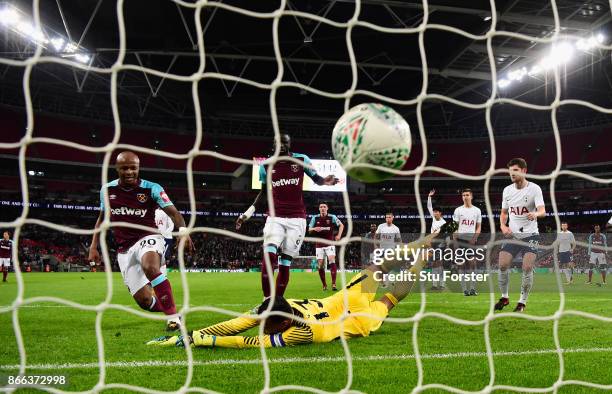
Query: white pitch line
x,y
296,360
404,302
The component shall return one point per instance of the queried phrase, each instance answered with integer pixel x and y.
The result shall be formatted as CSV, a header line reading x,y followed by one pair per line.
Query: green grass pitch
x,y
61,340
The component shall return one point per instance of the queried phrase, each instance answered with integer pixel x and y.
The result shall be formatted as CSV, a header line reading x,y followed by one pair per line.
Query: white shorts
x,y
129,262
329,251
5,262
285,233
598,257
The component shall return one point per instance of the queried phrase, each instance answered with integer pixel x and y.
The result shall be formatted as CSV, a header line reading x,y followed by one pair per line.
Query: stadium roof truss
x,y
151,101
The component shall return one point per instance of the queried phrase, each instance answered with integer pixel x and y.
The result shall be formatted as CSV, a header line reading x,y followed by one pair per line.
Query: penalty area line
x,y
296,360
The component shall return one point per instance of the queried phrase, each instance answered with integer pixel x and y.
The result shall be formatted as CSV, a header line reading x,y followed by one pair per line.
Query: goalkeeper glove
x,y
166,340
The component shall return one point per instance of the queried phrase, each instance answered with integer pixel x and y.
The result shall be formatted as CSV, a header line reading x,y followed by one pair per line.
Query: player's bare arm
x,y
540,213
329,180
503,222
476,233
94,255
179,222
259,200
340,231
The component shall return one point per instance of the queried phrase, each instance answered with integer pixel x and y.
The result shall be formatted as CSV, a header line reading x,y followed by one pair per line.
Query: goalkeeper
x,y
365,314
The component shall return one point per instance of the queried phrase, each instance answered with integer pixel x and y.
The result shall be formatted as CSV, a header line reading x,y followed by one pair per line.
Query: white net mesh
x,y
277,83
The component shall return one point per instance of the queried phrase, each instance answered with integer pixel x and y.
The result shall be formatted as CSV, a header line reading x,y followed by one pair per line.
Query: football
x,y
371,134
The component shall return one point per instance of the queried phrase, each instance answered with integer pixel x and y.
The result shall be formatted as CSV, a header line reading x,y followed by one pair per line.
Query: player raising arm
x,y
140,253
437,221
283,233
365,315
523,203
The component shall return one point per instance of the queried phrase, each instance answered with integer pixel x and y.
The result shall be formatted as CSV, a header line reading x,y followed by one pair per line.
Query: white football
x,y
371,134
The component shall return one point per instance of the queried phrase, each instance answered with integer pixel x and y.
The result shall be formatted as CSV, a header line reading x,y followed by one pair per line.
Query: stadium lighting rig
x,y
14,20
561,53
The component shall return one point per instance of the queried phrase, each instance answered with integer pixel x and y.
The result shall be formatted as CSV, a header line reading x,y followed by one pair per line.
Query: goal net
x,y
205,72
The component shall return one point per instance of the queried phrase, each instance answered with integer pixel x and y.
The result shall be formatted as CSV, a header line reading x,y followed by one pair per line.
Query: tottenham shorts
x,y
514,249
565,257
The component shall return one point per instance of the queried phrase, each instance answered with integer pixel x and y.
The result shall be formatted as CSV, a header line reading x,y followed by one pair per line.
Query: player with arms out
x,y
523,202
6,250
365,314
323,225
437,221
140,253
597,254
284,232
567,243
469,219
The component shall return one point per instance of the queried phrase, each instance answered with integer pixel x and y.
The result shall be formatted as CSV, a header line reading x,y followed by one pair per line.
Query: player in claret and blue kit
x,y
324,225
6,250
284,232
140,253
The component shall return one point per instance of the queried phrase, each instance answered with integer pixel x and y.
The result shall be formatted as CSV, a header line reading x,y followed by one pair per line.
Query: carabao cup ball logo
x,y
373,134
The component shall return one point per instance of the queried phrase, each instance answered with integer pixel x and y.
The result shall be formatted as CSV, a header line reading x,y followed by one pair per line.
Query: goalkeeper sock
x,y
163,291
334,270
282,279
504,282
265,284
322,276
526,284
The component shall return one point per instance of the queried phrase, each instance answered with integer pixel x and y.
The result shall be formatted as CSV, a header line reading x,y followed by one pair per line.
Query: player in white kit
x,y
567,243
388,234
437,221
469,219
165,225
523,202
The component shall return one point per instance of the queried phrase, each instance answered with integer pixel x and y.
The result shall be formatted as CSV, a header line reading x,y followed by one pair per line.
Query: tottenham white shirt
x,y
164,224
520,202
435,224
566,239
467,218
388,235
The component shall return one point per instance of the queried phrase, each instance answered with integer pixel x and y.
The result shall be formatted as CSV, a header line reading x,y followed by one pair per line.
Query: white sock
x,y
526,284
442,278
568,274
504,282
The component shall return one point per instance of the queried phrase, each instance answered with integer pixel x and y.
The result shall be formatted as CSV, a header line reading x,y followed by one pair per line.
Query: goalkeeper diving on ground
x,y
365,315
